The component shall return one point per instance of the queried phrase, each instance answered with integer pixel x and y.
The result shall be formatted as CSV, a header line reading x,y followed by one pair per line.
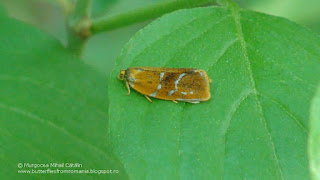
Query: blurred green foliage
x,y
50,104
305,12
314,137
102,49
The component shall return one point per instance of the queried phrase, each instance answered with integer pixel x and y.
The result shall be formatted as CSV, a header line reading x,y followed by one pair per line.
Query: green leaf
x,y
264,71
314,138
3,12
66,5
296,10
53,108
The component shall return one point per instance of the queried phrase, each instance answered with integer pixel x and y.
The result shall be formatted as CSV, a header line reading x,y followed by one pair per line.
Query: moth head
x,y
121,75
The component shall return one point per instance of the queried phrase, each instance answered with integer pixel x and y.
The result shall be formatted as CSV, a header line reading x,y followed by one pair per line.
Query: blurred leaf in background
x,y
3,11
102,7
314,137
48,17
305,12
53,107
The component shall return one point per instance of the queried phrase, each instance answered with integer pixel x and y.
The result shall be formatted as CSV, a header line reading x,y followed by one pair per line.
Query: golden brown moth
x,y
175,84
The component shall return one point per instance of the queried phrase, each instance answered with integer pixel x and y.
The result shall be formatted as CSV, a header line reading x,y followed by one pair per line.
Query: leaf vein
x,y
223,52
180,137
287,112
25,143
196,38
39,119
245,94
166,35
235,14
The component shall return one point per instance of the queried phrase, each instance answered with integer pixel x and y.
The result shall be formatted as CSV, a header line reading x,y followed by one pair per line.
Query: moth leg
x,y
175,101
128,87
148,98
193,102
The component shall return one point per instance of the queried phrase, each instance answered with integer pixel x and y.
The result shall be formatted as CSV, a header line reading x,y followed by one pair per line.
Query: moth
x,y
175,84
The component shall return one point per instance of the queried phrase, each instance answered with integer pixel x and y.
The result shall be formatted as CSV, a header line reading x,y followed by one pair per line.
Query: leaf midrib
x,y
235,14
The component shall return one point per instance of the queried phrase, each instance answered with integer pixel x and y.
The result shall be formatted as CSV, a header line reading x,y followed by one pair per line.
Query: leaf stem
x,y
79,26
65,5
82,10
144,14
75,42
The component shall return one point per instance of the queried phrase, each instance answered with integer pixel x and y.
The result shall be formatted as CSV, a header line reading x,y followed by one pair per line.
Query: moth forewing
x,y
175,84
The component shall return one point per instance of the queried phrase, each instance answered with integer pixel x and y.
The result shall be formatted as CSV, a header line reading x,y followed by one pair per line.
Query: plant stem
x,y
79,26
65,5
82,10
75,42
144,14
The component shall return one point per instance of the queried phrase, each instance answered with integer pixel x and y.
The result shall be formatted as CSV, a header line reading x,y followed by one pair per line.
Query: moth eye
x,y
121,75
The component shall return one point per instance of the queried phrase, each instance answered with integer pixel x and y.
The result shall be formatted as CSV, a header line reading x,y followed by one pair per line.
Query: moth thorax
x,y
121,75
